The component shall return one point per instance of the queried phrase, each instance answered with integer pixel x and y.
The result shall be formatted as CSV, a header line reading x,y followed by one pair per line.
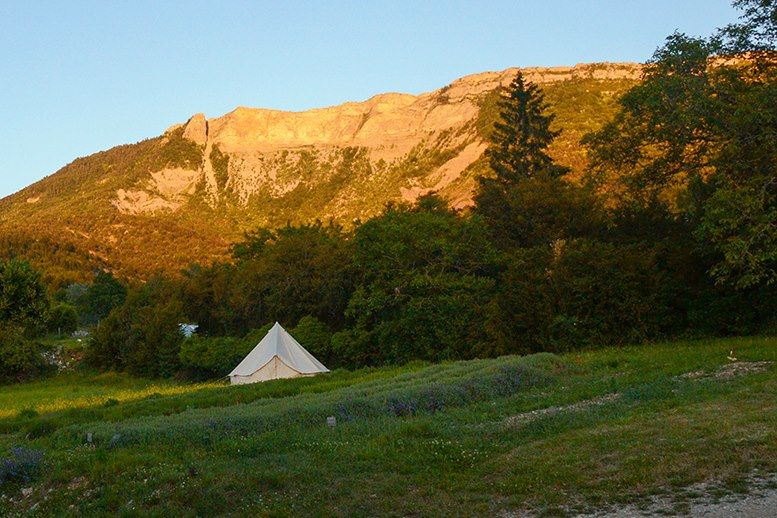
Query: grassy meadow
x,y
550,434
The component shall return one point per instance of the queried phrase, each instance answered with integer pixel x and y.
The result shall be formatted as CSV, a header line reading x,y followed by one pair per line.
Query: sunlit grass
x,y
84,391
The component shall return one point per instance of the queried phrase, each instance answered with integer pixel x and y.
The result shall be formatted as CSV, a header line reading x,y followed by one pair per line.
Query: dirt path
x,y
760,502
751,506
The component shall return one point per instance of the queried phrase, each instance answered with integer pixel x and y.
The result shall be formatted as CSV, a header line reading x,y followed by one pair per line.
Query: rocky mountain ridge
x,y
388,125
210,179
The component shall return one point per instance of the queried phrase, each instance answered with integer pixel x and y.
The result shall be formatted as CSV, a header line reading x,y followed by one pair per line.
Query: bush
x,y
254,336
23,466
213,357
217,356
314,336
409,392
42,427
19,358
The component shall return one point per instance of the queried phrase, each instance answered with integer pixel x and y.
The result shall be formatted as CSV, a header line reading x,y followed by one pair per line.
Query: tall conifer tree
x,y
522,134
526,202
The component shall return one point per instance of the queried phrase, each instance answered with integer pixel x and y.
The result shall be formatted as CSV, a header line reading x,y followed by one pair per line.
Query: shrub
x,y
416,392
217,356
254,336
42,427
19,358
23,466
213,357
314,336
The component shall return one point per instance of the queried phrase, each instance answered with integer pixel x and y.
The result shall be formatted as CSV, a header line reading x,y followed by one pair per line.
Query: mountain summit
x,y
186,195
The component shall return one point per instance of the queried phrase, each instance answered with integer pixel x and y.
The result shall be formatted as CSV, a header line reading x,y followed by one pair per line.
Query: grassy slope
x,y
443,439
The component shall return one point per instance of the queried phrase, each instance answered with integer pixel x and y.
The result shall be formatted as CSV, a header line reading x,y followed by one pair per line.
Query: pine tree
x,y
526,202
522,134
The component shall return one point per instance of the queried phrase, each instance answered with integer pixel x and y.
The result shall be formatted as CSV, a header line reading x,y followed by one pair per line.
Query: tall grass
x,y
422,391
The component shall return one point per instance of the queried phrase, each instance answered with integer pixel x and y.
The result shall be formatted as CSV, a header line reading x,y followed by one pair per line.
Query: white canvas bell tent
x,y
277,356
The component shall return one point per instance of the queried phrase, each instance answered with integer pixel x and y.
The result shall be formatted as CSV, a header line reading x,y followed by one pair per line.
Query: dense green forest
x,y
671,233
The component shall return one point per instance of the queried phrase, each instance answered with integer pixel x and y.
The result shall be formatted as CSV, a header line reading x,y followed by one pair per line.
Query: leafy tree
x,y
307,271
156,352
253,244
19,357
207,292
577,294
141,336
23,309
700,134
281,275
23,298
426,274
62,318
756,33
104,294
112,336
539,211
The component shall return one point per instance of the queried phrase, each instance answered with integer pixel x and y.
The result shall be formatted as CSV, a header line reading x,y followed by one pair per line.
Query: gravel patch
x,y
705,502
527,417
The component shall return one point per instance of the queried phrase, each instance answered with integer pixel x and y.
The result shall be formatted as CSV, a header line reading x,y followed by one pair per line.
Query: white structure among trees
x,y
277,356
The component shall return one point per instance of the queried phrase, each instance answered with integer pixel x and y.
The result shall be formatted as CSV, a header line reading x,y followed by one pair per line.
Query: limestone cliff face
x,y
390,127
386,121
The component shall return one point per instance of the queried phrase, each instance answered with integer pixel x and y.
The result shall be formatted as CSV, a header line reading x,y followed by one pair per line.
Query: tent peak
x,y
278,343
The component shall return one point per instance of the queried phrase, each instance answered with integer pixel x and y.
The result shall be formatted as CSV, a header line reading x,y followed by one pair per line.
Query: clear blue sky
x,y
77,77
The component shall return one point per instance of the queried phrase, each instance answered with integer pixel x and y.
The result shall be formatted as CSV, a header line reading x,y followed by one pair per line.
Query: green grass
x,y
452,438
74,391
64,342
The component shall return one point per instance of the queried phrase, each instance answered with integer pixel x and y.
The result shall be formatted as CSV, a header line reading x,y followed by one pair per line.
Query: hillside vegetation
x,y
551,434
131,209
